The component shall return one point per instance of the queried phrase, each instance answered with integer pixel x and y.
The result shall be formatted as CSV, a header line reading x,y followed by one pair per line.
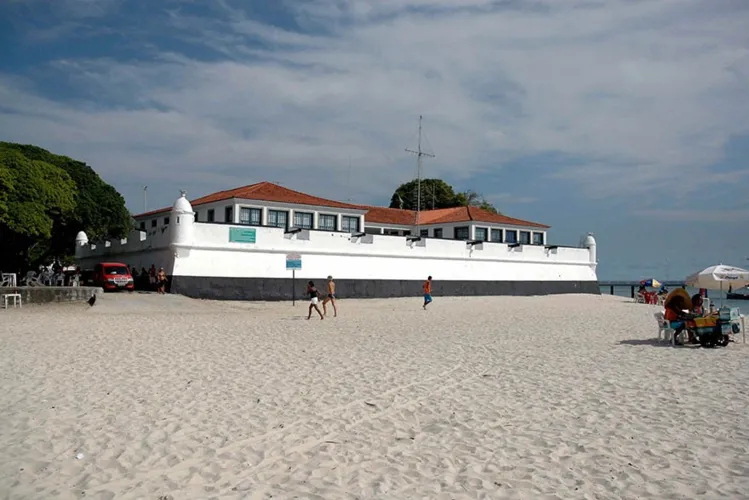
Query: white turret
x,y
590,244
182,221
81,240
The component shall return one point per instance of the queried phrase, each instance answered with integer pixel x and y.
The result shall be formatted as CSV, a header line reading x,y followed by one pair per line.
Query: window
x,y
349,224
211,215
497,235
303,220
326,222
424,233
250,216
511,236
538,238
197,216
153,222
438,232
142,225
461,233
481,234
525,237
166,221
278,218
228,214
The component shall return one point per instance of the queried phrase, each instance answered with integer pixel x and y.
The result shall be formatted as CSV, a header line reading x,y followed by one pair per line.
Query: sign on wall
x,y
241,235
293,261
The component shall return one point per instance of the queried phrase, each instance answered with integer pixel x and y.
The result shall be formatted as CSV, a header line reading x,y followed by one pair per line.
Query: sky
x,y
625,118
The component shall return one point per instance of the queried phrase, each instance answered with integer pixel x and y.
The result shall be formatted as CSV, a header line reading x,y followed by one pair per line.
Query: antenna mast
x,y
349,179
419,153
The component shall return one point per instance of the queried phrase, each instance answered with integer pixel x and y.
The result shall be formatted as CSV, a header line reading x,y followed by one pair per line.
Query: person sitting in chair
x,y
698,308
677,318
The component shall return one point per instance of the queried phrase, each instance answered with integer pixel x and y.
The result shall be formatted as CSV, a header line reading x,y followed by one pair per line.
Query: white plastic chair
x,y
664,328
8,279
59,279
31,279
639,298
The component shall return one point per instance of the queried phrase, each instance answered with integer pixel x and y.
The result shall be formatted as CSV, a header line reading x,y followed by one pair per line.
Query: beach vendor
x,y
698,308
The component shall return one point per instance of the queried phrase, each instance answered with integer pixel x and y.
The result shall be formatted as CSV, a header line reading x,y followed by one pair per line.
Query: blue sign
x,y
293,264
241,235
293,261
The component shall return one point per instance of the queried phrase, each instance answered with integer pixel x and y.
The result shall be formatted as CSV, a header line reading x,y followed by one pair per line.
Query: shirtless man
x,y
330,298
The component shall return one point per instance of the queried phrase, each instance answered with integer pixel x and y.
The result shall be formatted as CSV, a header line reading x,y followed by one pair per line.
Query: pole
x,y
293,287
419,153
418,176
145,199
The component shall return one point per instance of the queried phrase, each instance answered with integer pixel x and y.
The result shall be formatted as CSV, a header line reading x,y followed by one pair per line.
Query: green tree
x,y
45,199
35,197
473,199
436,193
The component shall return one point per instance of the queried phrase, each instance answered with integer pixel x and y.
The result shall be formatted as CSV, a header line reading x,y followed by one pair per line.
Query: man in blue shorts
x,y
427,292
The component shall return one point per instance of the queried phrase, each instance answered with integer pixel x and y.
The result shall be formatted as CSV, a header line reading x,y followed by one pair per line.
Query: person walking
x,y
427,292
330,298
313,299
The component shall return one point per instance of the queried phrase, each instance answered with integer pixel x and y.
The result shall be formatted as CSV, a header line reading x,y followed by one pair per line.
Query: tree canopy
x,y
436,193
45,199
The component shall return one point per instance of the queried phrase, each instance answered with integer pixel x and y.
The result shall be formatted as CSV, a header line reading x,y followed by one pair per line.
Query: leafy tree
x,y
436,193
474,199
45,199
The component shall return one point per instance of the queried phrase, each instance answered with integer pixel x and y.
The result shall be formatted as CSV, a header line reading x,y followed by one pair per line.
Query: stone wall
x,y
47,294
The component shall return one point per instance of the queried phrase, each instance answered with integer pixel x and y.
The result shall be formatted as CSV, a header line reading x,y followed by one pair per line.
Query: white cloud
x,y
640,93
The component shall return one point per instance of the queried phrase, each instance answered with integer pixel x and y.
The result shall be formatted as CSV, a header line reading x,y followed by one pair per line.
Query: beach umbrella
x,y
719,277
651,282
678,299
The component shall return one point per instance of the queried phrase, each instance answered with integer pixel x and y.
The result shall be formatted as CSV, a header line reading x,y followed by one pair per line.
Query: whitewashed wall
x,y
385,257
139,249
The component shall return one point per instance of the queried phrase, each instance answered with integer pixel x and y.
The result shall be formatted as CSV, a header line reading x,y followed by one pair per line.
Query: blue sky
x,y
624,118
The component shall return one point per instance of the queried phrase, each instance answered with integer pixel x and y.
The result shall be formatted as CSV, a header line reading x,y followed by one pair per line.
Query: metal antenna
x,y
419,153
349,179
145,199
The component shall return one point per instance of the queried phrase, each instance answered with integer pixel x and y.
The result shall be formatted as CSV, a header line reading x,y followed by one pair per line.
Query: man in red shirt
x,y
427,292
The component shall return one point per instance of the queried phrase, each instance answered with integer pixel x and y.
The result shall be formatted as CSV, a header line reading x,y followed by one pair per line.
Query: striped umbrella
x,y
651,282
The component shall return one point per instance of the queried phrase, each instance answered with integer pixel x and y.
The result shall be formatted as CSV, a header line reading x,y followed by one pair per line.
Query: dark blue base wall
x,y
282,288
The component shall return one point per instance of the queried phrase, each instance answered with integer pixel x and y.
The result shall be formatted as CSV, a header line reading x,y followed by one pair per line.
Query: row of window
x,y
495,235
280,218
327,222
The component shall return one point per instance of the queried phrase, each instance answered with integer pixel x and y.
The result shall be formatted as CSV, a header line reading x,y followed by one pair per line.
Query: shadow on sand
x,y
654,343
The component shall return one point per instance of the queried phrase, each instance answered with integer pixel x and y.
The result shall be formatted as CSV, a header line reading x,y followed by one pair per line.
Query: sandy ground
x,y
546,397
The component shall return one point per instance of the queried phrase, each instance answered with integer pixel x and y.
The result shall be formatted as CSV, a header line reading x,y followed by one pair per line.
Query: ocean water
x,y
713,295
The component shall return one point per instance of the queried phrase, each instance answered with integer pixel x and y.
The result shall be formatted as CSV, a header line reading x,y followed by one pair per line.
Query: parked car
x,y
113,276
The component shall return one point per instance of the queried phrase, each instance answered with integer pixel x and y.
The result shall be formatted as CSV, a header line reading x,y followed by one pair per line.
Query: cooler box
x,y
707,325
726,313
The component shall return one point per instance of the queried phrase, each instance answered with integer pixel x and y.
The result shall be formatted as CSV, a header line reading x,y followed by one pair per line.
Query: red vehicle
x,y
113,276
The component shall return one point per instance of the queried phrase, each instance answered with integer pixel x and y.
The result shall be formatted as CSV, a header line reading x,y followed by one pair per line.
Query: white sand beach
x,y
505,397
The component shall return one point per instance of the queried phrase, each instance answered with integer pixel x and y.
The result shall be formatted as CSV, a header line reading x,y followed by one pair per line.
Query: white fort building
x,y
240,244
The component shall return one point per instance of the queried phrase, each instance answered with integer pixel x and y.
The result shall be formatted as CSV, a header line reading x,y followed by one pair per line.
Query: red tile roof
x,y
267,191
264,191
380,215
